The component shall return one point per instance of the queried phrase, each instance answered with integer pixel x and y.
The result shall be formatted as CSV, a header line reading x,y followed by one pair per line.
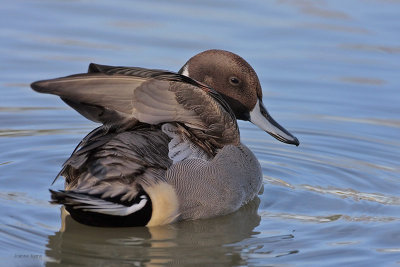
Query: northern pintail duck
x,y
169,147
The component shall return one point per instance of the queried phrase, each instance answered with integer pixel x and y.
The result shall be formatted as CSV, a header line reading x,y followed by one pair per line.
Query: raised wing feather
x,y
121,96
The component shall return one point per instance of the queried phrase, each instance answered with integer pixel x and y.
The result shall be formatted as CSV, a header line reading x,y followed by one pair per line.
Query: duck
x,y
168,148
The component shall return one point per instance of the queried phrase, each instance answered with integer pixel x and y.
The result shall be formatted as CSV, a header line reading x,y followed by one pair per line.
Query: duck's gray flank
x,y
169,146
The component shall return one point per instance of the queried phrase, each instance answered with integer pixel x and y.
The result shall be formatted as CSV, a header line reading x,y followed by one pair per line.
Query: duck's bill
x,y
260,117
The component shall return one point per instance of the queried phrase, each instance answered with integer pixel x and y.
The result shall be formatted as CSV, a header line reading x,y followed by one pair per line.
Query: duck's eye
x,y
234,80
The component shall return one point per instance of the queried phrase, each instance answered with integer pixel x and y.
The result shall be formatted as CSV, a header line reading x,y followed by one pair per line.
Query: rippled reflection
x,y
154,245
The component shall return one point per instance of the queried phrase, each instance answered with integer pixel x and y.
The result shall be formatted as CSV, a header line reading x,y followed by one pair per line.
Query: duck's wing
x,y
126,156
122,96
111,179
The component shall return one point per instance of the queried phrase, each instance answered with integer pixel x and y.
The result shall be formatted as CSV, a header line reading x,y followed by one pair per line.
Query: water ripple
x,y
331,68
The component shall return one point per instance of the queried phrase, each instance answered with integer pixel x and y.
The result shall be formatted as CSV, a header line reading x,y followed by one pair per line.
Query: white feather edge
x,y
185,71
180,147
106,207
165,204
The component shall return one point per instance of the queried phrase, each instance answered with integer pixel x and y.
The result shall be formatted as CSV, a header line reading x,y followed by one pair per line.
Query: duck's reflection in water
x,y
190,242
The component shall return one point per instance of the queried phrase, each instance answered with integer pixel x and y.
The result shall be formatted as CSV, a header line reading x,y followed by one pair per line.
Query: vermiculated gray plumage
x,y
218,186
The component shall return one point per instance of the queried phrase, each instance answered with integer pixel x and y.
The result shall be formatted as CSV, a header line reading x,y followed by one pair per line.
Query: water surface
x,y
330,74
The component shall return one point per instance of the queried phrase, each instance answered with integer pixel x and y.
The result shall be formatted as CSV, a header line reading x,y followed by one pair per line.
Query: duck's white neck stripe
x,y
185,70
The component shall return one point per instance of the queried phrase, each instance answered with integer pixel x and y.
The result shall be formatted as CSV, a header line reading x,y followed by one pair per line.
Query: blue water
x,y
330,74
